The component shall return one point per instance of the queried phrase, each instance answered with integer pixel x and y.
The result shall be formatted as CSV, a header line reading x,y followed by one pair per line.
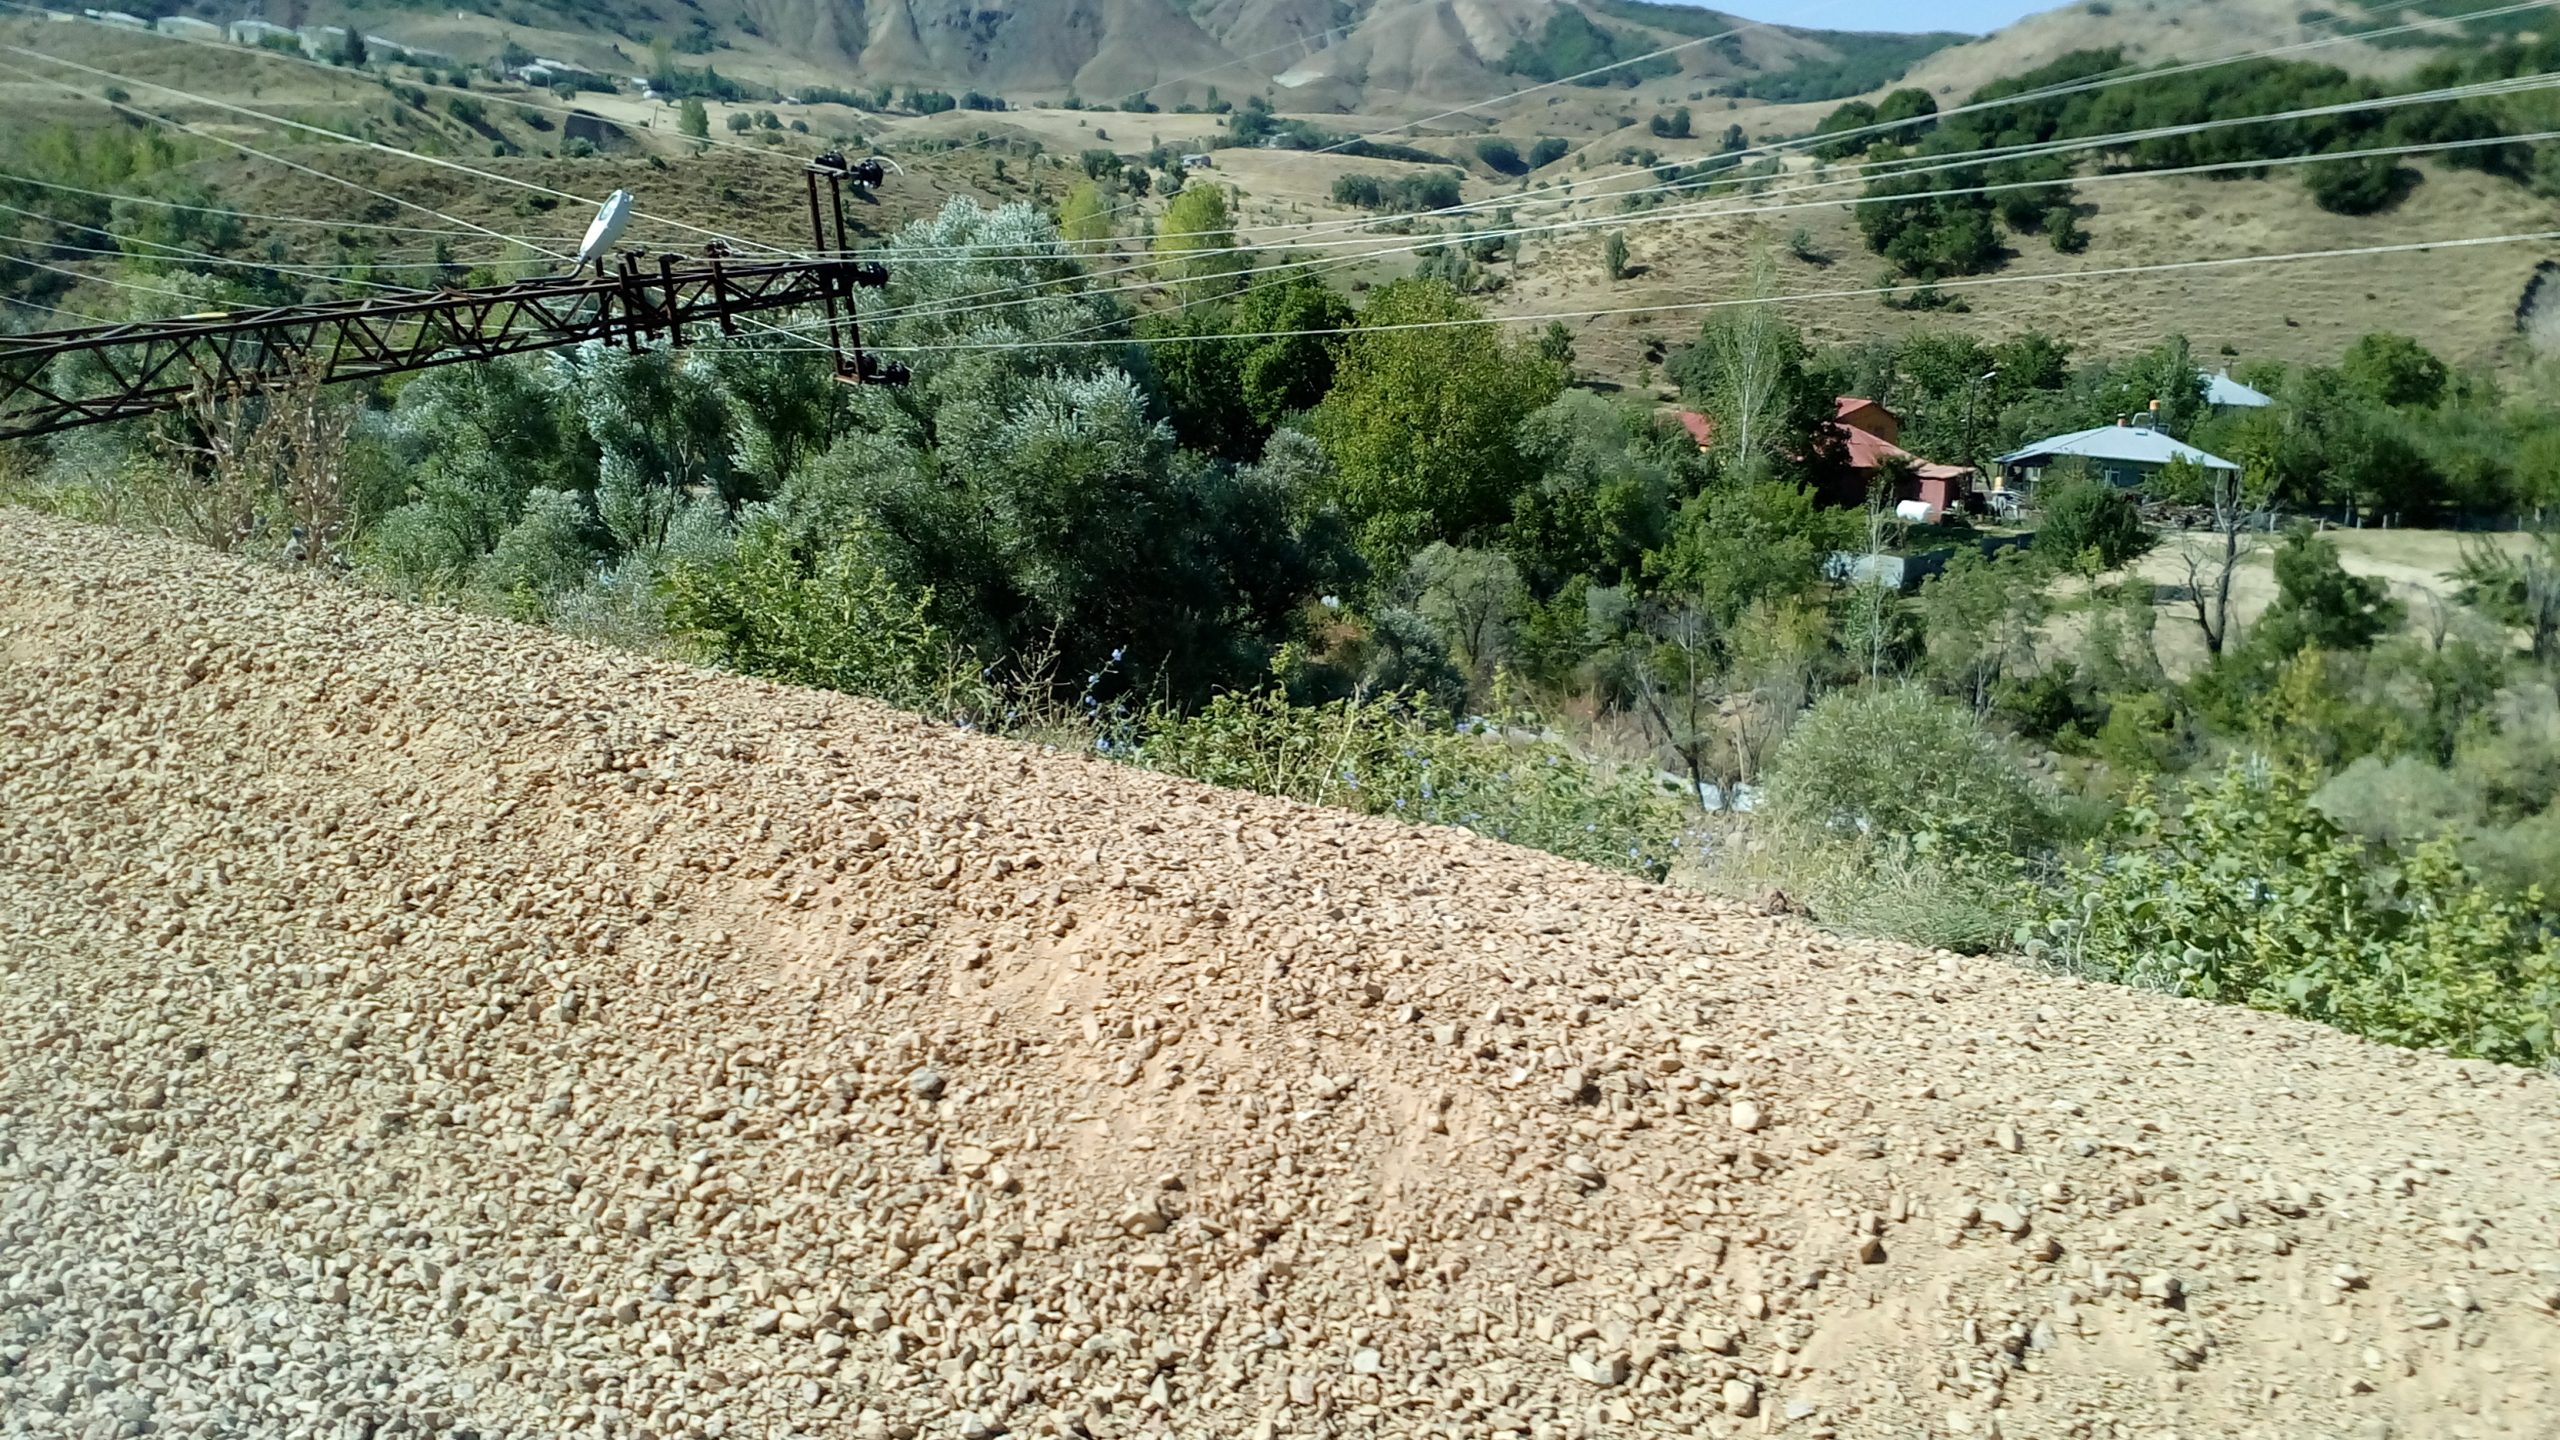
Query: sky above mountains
x,y
1976,16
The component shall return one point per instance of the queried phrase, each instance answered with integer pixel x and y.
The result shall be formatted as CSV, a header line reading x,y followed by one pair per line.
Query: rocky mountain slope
x,y
422,1025
1377,55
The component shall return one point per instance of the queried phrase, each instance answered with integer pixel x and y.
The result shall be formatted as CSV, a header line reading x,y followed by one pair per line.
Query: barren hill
x,y
423,1025
1376,55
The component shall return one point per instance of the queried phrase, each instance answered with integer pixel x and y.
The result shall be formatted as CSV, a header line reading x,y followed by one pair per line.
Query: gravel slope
x,y
420,1025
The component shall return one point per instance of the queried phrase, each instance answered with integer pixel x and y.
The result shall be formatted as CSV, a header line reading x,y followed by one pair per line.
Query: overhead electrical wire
x,y
2122,76
338,72
1920,164
437,161
1672,307
1700,212
320,222
253,151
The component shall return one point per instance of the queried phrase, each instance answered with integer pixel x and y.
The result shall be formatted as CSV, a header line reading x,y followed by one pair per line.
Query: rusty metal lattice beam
x,y
59,380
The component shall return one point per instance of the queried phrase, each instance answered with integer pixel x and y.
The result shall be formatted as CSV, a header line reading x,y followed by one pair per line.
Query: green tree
x,y
2395,370
1602,496
1747,372
1032,488
1893,762
2087,522
1912,112
2318,604
543,557
1196,242
692,119
1473,597
833,620
1084,217
1740,543
1225,393
1421,422
1847,124
1980,618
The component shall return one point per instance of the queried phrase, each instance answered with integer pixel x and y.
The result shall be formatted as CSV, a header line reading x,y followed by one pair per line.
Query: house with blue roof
x,y
2224,393
2126,455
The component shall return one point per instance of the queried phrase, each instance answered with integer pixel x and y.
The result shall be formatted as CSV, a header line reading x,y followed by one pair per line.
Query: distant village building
x,y
1196,160
188,27
2126,455
118,17
2224,393
259,32
1870,441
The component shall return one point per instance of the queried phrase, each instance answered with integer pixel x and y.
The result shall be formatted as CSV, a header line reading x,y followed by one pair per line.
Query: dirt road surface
x,y
414,1024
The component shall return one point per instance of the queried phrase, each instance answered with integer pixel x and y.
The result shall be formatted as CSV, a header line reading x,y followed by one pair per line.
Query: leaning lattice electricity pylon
x,y
55,380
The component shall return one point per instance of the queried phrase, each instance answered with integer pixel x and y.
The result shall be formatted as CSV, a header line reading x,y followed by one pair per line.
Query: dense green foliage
x,y
1401,194
1571,47
1869,62
2178,118
2250,895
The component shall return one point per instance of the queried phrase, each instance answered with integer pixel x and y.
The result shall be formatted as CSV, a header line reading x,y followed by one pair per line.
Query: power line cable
x,y
250,150
1703,211
320,222
435,160
1847,293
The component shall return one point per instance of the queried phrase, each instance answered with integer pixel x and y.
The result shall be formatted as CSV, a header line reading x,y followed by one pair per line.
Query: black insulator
x,y
875,371
871,275
867,173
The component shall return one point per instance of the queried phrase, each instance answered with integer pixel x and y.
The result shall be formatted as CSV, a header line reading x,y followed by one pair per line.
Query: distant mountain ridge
x,y
1302,54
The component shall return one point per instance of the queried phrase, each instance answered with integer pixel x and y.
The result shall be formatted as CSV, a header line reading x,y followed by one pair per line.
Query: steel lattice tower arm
x,y
59,380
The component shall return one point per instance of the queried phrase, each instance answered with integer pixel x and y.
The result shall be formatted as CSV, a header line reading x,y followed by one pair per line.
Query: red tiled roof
x,y
1867,451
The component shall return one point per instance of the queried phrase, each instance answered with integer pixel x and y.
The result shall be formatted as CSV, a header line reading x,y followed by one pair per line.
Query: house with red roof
x,y
1870,443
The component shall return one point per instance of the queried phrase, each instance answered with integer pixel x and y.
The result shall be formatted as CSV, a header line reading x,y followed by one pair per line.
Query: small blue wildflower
x,y
1117,651
1093,679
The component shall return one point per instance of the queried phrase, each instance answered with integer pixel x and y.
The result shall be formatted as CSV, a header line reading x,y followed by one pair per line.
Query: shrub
x,y
1895,763
2088,519
835,621
2359,187
1547,151
1390,755
543,557
1501,155
2252,896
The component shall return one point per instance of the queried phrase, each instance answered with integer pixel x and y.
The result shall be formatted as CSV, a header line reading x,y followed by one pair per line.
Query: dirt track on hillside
x,y
417,1024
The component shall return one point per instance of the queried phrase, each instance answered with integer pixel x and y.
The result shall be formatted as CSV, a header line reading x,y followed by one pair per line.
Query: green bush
x,y
833,620
2252,896
1895,763
2088,520
1393,756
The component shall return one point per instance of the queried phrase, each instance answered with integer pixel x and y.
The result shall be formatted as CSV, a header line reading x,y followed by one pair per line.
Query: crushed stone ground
x,y
415,1024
